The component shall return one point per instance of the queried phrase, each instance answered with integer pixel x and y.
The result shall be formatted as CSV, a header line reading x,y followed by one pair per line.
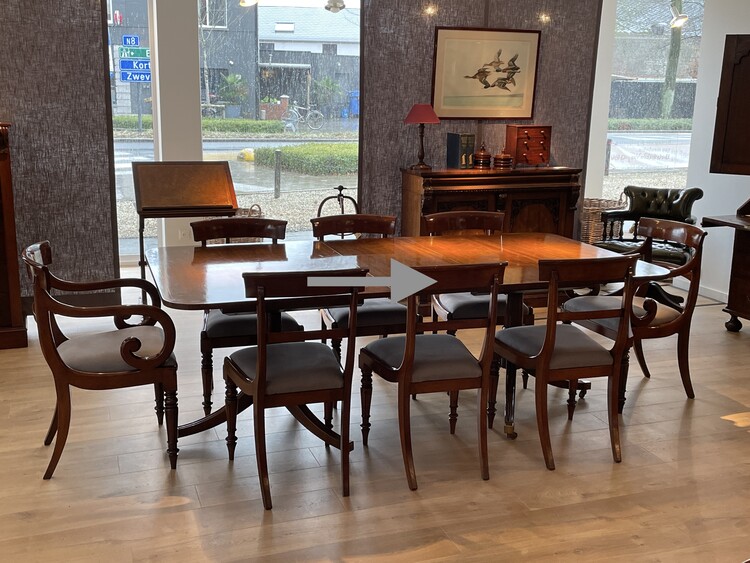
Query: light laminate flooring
x,y
681,493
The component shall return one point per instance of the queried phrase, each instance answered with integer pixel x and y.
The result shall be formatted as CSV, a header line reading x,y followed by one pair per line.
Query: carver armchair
x,y
134,354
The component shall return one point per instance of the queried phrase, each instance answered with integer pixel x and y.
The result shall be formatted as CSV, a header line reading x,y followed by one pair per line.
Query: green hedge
x,y
131,122
316,159
208,124
684,124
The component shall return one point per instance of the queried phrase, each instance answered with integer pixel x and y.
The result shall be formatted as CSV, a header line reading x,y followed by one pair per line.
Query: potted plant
x,y
233,92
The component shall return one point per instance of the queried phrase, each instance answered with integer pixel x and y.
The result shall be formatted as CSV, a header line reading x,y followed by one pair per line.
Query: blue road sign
x,y
131,40
128,76
135,64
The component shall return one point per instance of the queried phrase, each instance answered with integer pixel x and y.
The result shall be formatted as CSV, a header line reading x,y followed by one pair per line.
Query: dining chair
x,y
469,305
134,354
228,329
286,369
375,317
420,362
652,318
562,352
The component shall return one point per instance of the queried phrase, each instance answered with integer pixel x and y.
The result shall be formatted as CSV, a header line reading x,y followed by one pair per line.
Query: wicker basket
x,y
591,218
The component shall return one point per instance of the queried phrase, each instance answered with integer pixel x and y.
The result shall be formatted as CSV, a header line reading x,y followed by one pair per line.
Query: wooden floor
x,y
682,491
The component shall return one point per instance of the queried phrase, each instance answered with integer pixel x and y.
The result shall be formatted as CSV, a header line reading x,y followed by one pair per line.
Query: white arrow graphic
x,y
403,281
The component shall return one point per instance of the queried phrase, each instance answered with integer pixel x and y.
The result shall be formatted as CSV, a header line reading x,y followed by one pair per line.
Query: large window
x,y
655,69
283,77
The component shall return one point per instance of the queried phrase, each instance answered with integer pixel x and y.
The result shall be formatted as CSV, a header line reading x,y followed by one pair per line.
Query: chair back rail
x,y
238,227
354,223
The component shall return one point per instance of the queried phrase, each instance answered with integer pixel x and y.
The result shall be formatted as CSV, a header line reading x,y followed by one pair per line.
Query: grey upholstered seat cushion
x,y
573,348
373,312
664,314
100,352
437,356
470,306
293,367
221,325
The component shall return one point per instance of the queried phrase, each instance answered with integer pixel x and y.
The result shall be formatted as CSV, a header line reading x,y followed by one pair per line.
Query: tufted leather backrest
x,y
659,203
663,203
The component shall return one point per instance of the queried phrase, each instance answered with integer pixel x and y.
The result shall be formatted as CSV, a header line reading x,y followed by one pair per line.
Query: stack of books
x,y
460,153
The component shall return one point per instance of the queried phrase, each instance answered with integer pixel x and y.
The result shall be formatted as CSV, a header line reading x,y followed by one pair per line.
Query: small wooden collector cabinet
x,y
12,327
528,144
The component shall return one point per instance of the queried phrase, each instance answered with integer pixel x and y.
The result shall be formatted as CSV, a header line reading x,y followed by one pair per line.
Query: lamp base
x,y
420,166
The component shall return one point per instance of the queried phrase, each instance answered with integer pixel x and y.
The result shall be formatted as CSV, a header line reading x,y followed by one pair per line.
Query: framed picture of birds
x,y
484,73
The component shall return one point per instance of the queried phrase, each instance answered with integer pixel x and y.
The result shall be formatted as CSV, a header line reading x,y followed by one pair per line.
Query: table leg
x,y
625,368
306,418
513,317
219,416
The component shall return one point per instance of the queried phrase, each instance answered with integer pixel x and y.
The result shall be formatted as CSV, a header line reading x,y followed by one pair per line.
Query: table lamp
x,y
421,113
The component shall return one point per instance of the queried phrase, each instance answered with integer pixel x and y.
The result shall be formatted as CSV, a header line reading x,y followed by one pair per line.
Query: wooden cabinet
x,y
738,300
12,327
528,144
533,199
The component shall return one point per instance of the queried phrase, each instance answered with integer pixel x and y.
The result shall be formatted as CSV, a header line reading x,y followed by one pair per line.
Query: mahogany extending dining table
x,y
197,278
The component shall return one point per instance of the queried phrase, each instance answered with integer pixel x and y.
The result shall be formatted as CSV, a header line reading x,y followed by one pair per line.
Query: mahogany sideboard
x,y
12,321
541,200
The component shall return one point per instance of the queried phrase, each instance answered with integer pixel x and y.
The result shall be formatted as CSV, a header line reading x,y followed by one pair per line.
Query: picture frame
x,y
481,73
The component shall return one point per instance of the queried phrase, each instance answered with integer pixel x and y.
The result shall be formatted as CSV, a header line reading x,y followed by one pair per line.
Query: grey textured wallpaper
x,y
53,89
398,44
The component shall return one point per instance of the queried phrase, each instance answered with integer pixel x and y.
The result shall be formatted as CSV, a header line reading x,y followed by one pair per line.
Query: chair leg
x,y
207,374
171,411
159,400
344,432
613,398
404,425
454,407
525,379
492,394
572,388
484,462
542,421
365,394
638,349
260,453
52,429
328,407
63,425
683,339
230,406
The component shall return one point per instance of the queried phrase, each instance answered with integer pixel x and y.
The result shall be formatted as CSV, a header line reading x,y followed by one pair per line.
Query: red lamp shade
x,y
422,113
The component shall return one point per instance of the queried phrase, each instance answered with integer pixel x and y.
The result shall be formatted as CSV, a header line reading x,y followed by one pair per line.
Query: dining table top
x,y
194,278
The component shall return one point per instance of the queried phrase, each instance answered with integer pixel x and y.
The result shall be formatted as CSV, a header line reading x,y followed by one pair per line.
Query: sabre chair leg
x,y
52,429
572,388
542,421
260,453
638,349
484,461
613,395
345,425
404,425
683,340
63,426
